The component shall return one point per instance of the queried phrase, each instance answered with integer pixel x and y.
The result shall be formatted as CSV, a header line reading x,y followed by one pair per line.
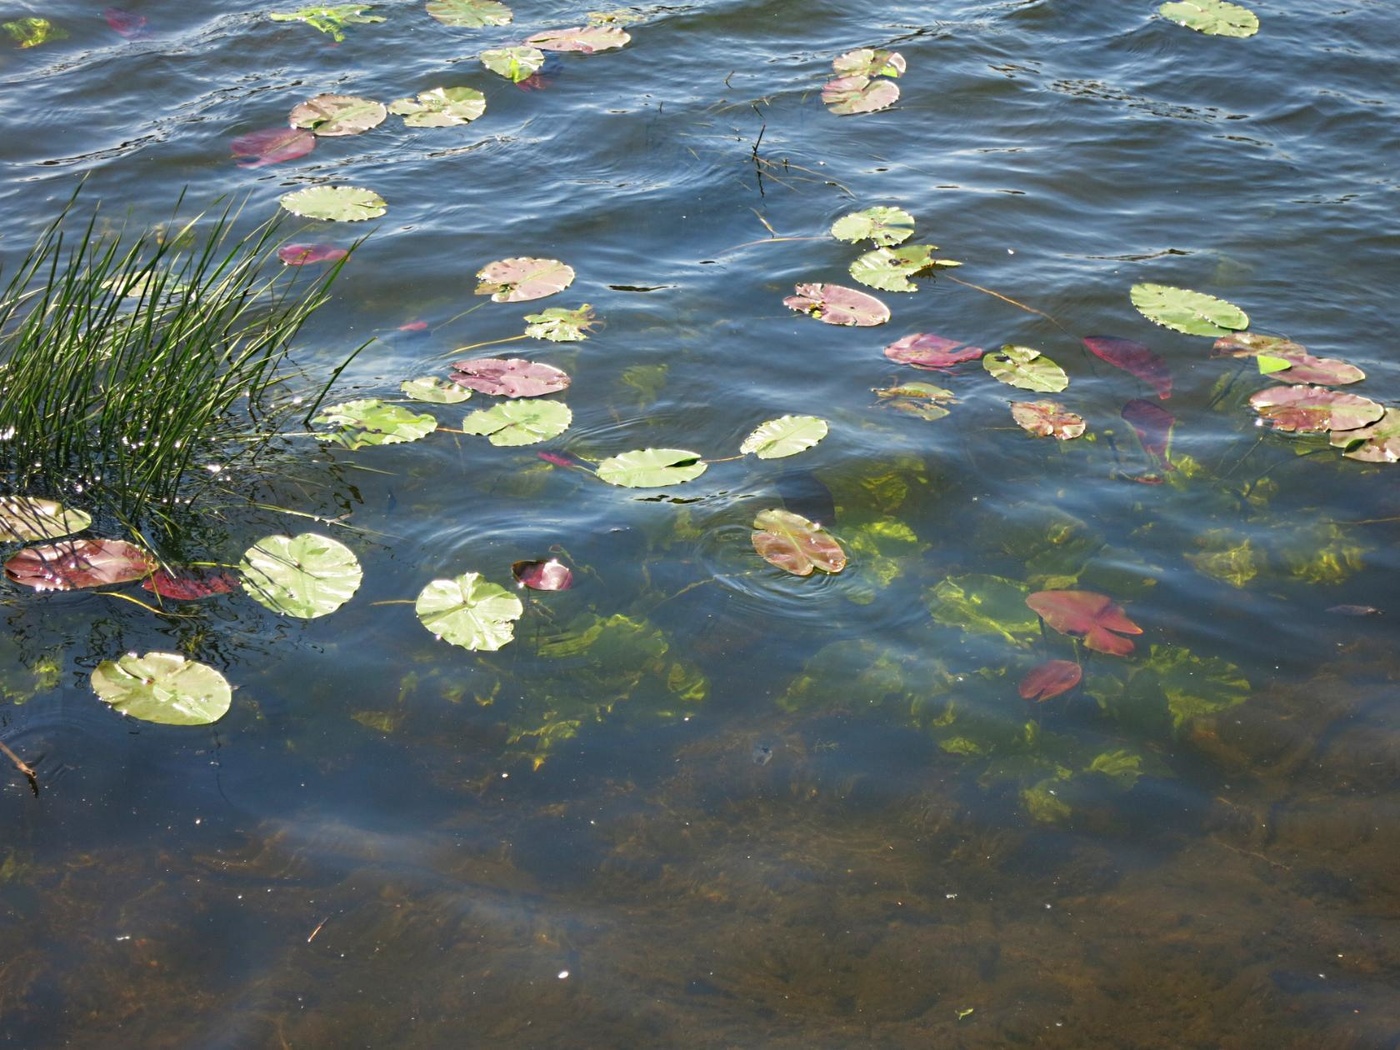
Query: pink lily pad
x,y
1298,366
836,304
521,279
1314,409
129,25
794,544
548,575
509,377
77,564
934,352
191,584
859,94
1153,426
1135,358
1096,618
272,146
305,254
1248,344
1377,443
586,39
1050,679
1047,419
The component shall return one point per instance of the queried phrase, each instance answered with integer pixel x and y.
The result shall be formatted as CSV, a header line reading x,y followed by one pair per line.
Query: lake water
x,y
699,801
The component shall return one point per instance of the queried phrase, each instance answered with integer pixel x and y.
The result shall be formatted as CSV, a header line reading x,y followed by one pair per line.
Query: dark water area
x,y
699,801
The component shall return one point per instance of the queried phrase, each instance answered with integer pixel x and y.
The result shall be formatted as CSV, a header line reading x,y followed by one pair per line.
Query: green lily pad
x,y
1193,685
331,20
469,611
331,116
870,62
784,436
370,421
647,468
795,544
306,575
514,63
884,226
441,107
1183,310
164,688
1212,17
31,32
26,518
859,94
1027,369
983,604
525,422
435,391
889,269
469,14
561,325
335,203
1377,443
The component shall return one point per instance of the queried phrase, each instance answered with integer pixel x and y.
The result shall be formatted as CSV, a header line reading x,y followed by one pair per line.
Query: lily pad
x,y
77,564
510,377
520,422
469,14
24,519
1248,344
1135,358
190,585
272,146
440,107
309,254
522,279
370,421
848,95
331,20
1314,409
1049,680
335,203
647,468
1183,310
1377,443
837,304
884,226
33,31
435,391
164,688
794,544
307,575
1096,618
1299,366
870,62
1153,426
331,116
514,63
889,269
983,604
1028,369
923,400
543,575
784,436
1047,419
586,39
1212,17
933,352
469,611
561,325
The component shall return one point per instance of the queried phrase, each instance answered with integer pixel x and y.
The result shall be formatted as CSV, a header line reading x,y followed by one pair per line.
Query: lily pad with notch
x,y
435,391
794,544
1046,418
870,62
784,436
935,353
335,203
584,39
331,116
24,519
1378,442
837,304
559,324
370,421
1187,311
442,107
652,468
469,14
258,149
885,226
521,279
163,687
469,611
924,400
1314,409
849,95
1096,618
514,423
510,376
1212,17
306,576
889,269
79,564
330,20
1026,368
514,63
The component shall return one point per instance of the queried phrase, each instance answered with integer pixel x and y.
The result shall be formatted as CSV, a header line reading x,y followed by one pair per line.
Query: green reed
x,y
129,361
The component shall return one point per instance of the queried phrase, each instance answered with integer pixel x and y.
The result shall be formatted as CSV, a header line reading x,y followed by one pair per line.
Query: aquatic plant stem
x,y
1008,299
489,342
22,766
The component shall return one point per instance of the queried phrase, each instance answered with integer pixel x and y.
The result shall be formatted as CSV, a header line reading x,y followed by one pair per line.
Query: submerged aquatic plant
x,y
127,361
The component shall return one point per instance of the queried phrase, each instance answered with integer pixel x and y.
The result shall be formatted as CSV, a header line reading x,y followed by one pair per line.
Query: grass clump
x,y
127,361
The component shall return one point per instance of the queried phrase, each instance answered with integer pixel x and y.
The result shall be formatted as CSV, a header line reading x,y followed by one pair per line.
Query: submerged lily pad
x,y
469,14
1183,310
784,436
1249,344
933,352
435,391
1377,443
24,519
76,564
1314,409
884,226
440,107
983,604
1135,358
307,575
561,325
1026,368
847,95
469,611
330,116
272,146
309,254
164,688
1096,618
331,20
33,31
510,377
1047,419
586,39
889,269
648,468
370,421
870,62
1212,17
836,304
514,63
522,279
923,400
794,544
190,585
520,422
335,203
1048,680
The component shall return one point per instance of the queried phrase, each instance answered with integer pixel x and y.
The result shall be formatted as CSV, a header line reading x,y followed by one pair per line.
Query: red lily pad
x,y
859,94
306,254
1047,419
1314,409
1135,358
509,377
585,39
518,280
79,563
191,584
1050,679
1096,618
129,25
272,146
837,304
794,544
1153,426
934,352
546,575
